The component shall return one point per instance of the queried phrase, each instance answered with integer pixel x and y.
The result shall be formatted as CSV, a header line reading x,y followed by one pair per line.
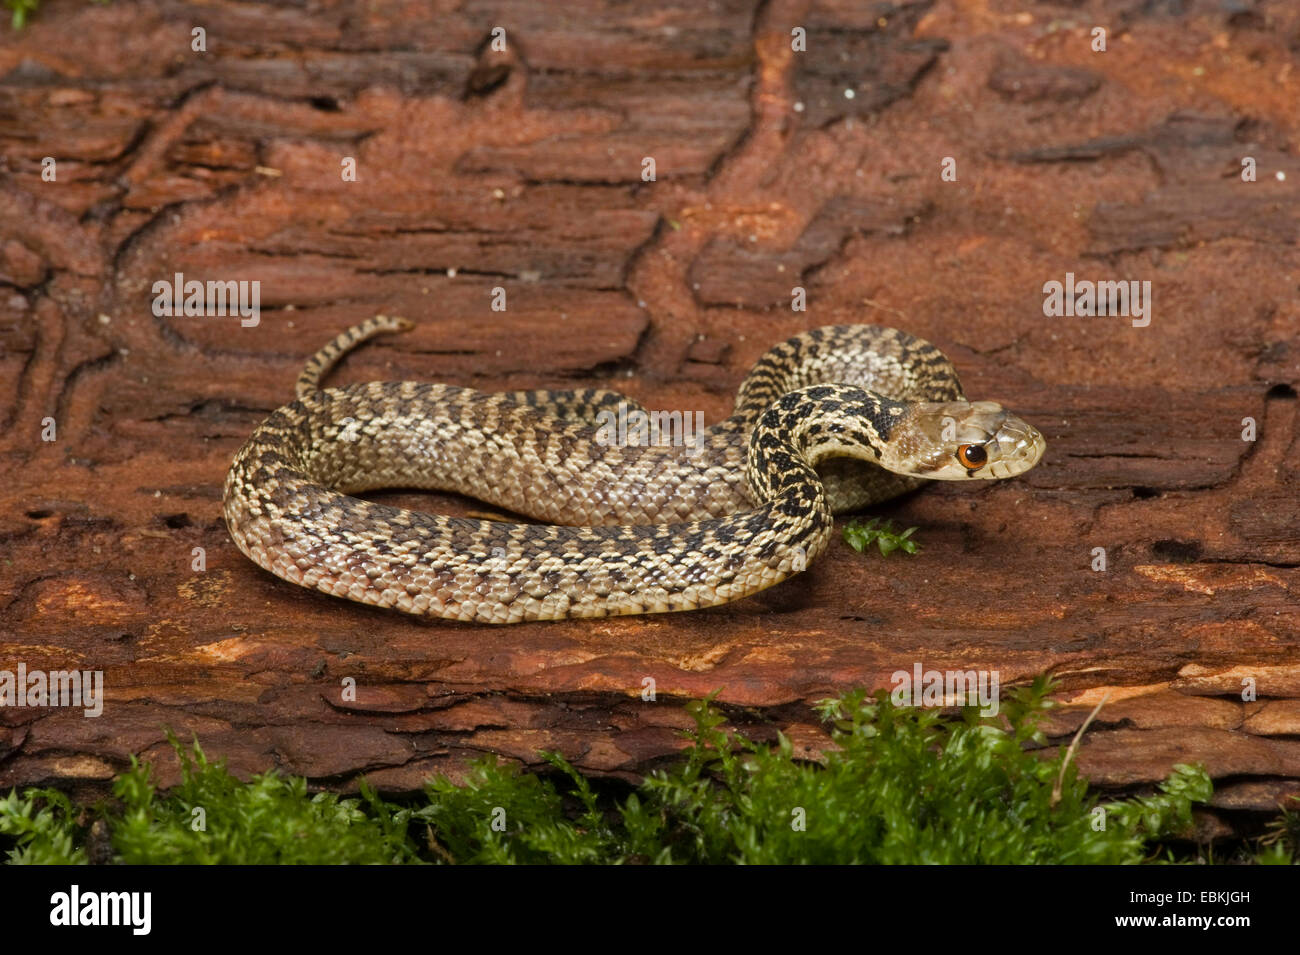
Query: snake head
x,y
962,440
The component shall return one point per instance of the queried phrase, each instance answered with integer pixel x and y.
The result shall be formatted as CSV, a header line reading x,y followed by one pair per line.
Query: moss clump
x,y
860,535
901,785
22,9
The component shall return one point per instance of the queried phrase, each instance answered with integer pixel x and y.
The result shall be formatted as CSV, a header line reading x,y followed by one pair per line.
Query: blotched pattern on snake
x,y
833,419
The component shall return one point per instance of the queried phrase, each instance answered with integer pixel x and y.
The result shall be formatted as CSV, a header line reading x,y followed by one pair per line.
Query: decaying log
x,y
524,170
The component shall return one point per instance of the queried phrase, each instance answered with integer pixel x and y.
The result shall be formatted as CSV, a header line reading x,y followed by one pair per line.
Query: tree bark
x,y
523,170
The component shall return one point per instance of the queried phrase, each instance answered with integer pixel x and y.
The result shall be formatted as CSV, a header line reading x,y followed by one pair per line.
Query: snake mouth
x,y
1014,449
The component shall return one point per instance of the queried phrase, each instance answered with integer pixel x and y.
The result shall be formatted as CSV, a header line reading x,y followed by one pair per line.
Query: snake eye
x,y
972,456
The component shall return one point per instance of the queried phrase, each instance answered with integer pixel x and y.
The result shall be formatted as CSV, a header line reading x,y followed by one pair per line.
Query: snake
x,y
834,419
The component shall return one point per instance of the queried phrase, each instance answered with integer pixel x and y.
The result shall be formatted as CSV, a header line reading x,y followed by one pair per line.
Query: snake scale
x,y
628,528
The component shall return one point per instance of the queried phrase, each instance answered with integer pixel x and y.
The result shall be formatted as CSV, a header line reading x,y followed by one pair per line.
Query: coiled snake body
x,y
630,529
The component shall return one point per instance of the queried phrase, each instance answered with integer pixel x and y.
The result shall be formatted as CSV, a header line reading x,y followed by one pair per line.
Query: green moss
x,y
860,535
213,817
42,824
1281,846
22,9
901,785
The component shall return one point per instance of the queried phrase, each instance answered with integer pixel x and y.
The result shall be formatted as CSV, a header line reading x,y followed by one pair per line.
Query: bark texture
x,y
774,168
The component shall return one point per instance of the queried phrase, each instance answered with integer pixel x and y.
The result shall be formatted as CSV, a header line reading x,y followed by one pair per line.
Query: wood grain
x,y
522,170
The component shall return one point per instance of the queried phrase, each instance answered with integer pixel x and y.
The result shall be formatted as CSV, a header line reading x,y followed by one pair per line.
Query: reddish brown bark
x,y
523,170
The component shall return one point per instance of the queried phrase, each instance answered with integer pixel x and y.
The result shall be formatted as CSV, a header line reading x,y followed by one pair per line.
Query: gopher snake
x,y
630,529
